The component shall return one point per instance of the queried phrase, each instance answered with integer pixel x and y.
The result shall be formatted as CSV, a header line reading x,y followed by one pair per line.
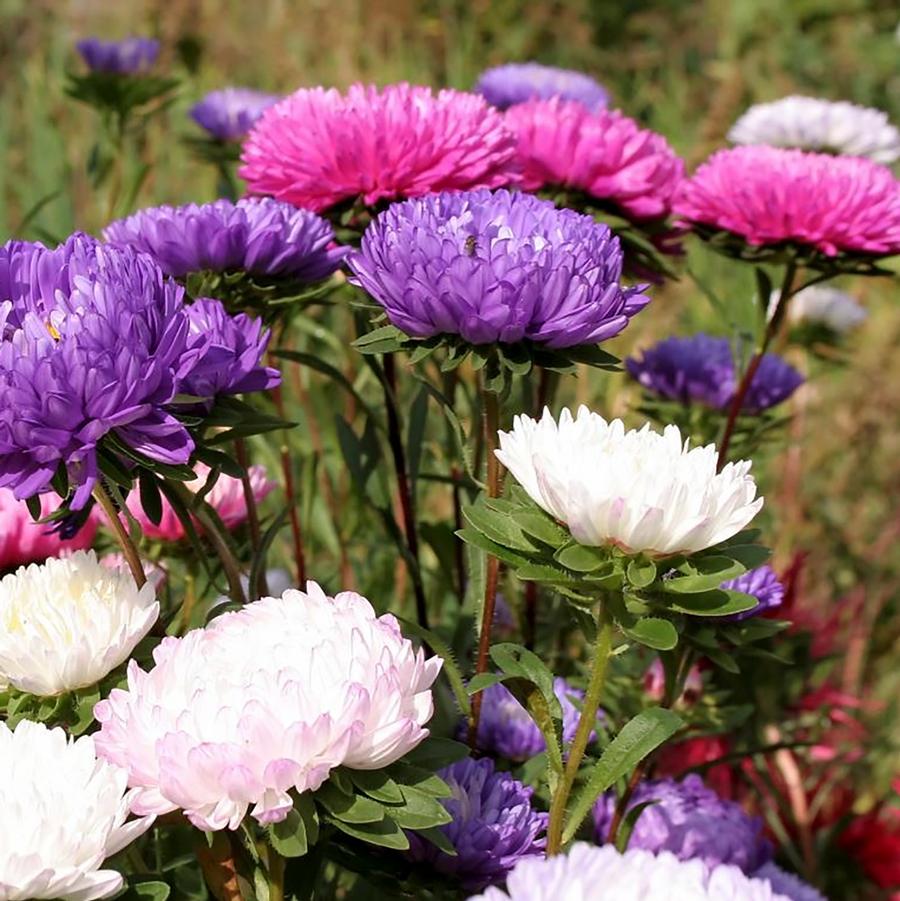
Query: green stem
x,y
243,457
586,724
129,550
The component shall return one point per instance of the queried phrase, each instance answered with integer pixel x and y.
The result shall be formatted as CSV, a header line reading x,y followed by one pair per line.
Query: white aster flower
x,y
591,873
66,623
811,123
823,305
63,813
265,700
638,490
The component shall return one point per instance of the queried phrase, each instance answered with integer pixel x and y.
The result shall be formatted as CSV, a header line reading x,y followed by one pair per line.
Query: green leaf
x,y
349,809
542,527
289,837
475,538
703,574
750,556
415,440
438,839
258,565
150,890
385,339
408,775
386,834
653,632
481,681
723,660
420,811
435,753
629,821
376,784
582,559
498,527
714,603
640,573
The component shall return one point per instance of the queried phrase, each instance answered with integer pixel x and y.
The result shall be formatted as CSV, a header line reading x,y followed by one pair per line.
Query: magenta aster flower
x,y
562,143
126,57
507,85
318,147
228,113
496,267
768,195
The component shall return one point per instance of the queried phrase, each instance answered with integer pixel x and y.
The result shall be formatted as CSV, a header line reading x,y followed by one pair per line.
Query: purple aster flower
x,y
787,884
763,584
691,821
258,235
507,85
228,114
93,340
495,267
228,352
126,57
506,728
494,825
700,369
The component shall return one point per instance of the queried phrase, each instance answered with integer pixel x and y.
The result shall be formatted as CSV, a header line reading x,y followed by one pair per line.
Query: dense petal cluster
x,y
126,57
259,235
494,825
787,884
22,540
826,306
228,113
263,701
691,821
506,728
318,147
827,126
64,813
701,369
603,874
770,196
505,86
495,267
763,583
68,622
640,491
562,143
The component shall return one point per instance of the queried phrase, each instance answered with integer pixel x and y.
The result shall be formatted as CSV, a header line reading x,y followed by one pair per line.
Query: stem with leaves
x,y
243,458
129,550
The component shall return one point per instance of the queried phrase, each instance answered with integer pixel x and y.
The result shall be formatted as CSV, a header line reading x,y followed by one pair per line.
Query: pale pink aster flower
x,y
319,147
601,152
263,701
769,195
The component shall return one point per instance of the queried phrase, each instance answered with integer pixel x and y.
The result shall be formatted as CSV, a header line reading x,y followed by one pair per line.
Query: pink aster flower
x,y
22,540
601,152
264,701
319,147
768,195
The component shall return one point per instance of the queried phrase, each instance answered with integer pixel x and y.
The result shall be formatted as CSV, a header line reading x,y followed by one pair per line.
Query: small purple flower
x,y
228,114
257,235
787,885
505,86
126,57
691,821
506,728
495,267
494,825
700,369
763,584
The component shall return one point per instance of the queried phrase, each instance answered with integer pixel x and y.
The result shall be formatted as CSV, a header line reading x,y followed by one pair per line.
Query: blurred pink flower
x,y
769,195
24,541
264,701
319,147
603,153
655,683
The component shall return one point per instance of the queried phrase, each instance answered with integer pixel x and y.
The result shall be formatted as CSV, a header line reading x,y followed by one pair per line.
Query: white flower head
x,y
640,491
811,123
66,623
264,700
826,306
63,813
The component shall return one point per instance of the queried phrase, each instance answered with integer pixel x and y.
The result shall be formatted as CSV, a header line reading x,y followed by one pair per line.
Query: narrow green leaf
x,y
435,753
450,668
386,834
353,809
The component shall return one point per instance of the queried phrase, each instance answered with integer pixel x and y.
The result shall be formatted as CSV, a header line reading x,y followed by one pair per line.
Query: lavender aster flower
x,y
691,821
126,57
787,884
258,235
495,267
700,369
763,584
505,86
494,825
228,114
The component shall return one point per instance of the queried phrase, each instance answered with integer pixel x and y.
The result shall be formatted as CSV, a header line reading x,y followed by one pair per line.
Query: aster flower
x,y
507,729
265,700
562,143
701,369
787,884
228,114
691,821
824,306
512,83
655,683
64,813
22,540
493,827
603,874
763,584
68,622
812,123
639,490
317,147
126,57
260,236
495,267
770,196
